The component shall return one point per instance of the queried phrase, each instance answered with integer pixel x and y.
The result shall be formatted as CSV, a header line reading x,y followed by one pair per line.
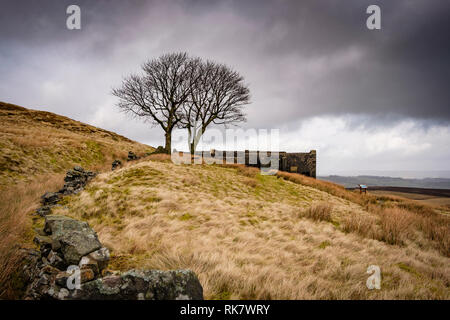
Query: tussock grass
x,y
318,212
363,225
259,241
395,225
394,219
17,203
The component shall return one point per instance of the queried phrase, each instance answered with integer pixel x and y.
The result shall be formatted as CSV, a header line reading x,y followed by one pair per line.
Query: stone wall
x,y
303,163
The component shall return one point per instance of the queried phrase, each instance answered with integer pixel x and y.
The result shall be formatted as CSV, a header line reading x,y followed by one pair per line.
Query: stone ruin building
x,y
297,162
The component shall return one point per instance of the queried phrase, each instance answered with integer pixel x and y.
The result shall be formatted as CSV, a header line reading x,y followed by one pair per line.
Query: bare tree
x,y
176,90
217,95
158,94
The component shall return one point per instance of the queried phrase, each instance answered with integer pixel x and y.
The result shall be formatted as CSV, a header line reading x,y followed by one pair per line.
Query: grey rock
x,y
75,180
55,260
78,168
44,210
50,198
42,240
61,278
88,263
63,293
77,239
101,257
132,156
115,164
146,284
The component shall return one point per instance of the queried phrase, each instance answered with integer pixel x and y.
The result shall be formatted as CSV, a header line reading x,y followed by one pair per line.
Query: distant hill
x,y
351,182
37,142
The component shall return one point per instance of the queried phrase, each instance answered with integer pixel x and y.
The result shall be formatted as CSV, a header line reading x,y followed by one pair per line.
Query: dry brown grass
x,y
329,187
250,172
249,242
16,205
396,219
318,212
395,225
239,231
36,142
363,225
36,149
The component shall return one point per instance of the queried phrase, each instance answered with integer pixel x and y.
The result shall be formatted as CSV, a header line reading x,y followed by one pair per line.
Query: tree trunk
x,y
195,139
168,145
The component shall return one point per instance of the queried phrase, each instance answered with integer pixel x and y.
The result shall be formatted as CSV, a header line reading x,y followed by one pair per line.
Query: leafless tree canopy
x,y
176,90
217,96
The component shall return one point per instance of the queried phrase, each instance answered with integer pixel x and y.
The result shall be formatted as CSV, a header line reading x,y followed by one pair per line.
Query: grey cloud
x,y
301,58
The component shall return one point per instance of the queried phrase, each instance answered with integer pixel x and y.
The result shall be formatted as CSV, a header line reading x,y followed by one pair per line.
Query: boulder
x,y
100,257
87,275
115,164
50,198
44,210
132,156
145,284
78,168
76,238
75,180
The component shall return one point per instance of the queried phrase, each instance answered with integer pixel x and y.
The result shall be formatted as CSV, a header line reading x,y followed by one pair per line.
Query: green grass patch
x,y
407,268
186,217
324,244
152,199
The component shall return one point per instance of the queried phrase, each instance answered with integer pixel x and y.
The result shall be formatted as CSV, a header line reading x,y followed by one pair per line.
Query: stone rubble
x,y
116,164
70,242
132,156
75,180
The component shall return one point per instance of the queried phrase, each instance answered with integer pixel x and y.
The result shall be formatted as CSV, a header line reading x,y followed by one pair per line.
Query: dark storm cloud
x,y
301,58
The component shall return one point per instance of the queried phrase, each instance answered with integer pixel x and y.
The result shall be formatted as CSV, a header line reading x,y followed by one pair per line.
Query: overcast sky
x,y
364,99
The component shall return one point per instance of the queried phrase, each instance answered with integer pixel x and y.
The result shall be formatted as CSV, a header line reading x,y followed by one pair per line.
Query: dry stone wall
x,y
73,264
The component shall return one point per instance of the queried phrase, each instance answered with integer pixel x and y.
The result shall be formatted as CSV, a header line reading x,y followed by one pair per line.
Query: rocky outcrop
x,y
75,180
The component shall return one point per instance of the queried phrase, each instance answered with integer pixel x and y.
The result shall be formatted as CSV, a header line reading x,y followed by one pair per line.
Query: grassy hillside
x,y
37,142
265,237
245,235
36,149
